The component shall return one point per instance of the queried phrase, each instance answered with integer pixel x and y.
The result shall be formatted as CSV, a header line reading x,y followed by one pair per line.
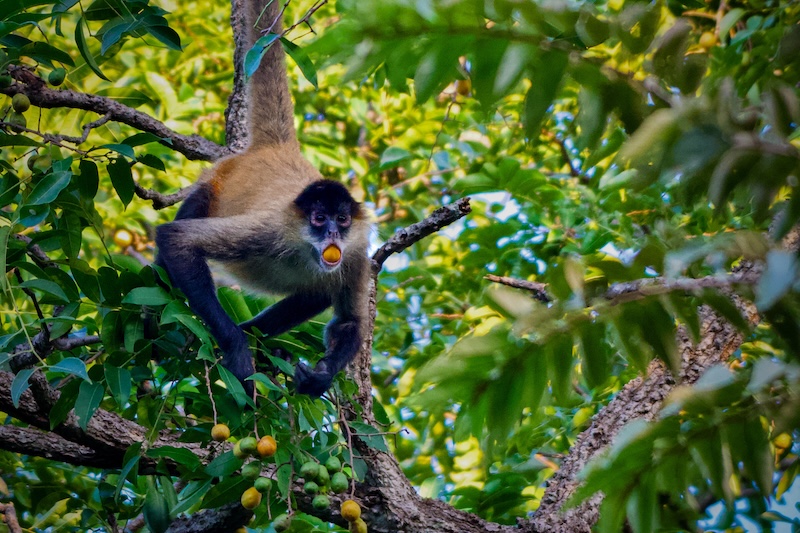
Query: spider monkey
x,y
277,226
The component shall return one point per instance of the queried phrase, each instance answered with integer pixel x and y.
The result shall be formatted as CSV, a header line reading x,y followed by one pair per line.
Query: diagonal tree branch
x,y
192,146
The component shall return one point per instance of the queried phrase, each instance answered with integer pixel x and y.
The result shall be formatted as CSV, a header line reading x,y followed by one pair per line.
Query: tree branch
x,y
407,236
10,517
192,146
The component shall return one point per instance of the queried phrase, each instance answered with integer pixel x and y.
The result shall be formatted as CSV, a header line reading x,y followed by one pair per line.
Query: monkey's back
x,y
261,182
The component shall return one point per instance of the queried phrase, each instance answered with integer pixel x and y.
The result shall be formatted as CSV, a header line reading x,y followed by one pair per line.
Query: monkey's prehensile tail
x,y
270,109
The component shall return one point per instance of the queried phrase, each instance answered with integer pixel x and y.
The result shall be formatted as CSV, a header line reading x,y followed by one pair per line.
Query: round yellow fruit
x,y
248,445
351,511
220,432
20,103
238,452
332,254
267,446
708,40
123,238
782,441
251,498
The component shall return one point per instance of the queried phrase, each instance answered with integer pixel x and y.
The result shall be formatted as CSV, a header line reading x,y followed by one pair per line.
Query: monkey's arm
x,y
288,313
184,246
343,336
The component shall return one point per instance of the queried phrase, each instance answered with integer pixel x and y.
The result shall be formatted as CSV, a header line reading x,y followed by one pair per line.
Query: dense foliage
x,y
627,155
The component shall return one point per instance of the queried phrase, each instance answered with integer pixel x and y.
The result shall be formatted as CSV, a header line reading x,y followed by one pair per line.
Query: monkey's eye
x,y
318,219
343,220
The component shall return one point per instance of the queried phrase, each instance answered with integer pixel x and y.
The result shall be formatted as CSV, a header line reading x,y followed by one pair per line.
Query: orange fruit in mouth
x,y
332,254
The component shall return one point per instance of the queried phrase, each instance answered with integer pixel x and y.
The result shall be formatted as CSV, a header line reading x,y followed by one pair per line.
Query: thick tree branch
x,y
192,146
31,441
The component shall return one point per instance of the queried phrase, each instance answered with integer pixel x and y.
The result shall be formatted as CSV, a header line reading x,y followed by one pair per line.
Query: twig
x,y
30,294
404,238
160,201
629,291
539,290
574,172
37,254
10,517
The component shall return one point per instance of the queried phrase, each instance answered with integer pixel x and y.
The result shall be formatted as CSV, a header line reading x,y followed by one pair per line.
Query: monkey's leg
x,y
343,337
288,313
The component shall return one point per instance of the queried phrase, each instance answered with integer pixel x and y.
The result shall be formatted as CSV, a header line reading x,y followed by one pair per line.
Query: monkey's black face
x,y
330,210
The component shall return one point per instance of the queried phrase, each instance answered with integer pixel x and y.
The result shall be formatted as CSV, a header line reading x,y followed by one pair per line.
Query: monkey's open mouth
x,y
331,256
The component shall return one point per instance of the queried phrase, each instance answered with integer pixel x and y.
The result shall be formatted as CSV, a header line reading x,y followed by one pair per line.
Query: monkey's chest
x,y
277,275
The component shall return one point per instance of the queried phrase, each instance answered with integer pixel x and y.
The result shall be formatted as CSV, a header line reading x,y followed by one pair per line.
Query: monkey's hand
x,y
313,382
239,362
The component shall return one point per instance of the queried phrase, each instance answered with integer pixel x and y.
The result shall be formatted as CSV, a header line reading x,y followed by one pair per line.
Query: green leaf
x,y
777,279
253,57
89,397
83,48
223,465
191,494
121,148
226,491
88,180
50,288
120,172
548,73
5,232
370,436
20,384
49,188
71,365
729,20
234,386
268,383
181,456
86,278
147,296
156,510
594,354
119,383
7,139
159,28
303,62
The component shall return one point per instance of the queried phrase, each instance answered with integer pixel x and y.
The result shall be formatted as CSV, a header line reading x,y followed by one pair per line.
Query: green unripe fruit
x,y
32,161
6,81
252,470
237,451
333,464
309,471
282,522
339,483
320,502
322,475
17,119
263,484
20,102
57,77
248,445
310,487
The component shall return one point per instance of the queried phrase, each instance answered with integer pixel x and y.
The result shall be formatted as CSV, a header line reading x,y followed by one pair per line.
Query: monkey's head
x,y
330,212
